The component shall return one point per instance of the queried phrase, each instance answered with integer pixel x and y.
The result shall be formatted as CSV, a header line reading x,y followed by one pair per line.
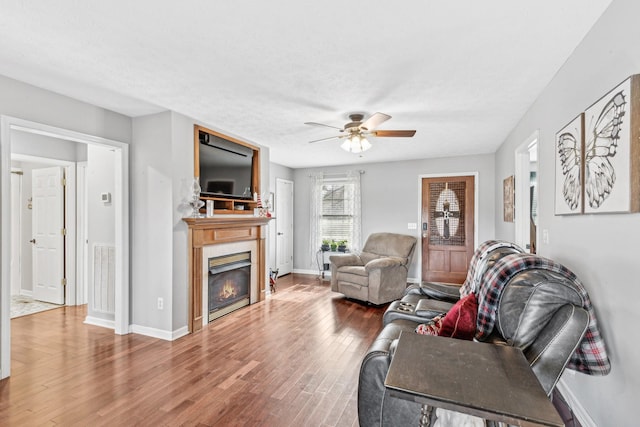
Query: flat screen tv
x,y
226,167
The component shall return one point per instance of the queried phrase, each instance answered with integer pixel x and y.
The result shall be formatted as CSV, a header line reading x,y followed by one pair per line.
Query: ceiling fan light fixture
x,y
356,143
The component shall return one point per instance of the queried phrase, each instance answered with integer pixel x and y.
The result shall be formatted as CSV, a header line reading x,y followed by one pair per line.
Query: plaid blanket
x,y
590,357
476,265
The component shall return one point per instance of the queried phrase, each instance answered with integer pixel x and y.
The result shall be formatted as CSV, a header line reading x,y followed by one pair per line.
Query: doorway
x,y
284,226
526,194
9,125
23,210
448,223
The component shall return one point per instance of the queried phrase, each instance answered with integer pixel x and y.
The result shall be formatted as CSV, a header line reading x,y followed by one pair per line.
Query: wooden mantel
x,y
216,230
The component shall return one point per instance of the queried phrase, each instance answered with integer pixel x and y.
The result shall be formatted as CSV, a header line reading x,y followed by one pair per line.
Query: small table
x,y
491,381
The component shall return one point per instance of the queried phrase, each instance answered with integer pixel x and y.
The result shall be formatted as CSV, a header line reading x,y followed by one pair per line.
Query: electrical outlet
x,y
412,226
545,236
160,304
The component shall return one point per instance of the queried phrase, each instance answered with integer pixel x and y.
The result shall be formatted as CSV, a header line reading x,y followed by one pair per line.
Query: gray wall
x,y
391,199
101,223
601,249
151,222
162,169
31,103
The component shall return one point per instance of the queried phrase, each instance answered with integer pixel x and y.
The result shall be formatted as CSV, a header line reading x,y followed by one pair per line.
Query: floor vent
x,y
104,278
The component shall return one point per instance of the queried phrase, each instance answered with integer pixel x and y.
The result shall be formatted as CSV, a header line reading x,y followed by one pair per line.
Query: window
x,y
335,211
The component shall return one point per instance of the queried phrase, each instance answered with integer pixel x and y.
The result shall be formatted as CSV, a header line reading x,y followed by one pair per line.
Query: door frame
x,y
522,203
121,203
476,186
17,240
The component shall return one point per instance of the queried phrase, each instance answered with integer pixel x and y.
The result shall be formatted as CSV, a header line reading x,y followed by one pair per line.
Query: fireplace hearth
x,y
229,283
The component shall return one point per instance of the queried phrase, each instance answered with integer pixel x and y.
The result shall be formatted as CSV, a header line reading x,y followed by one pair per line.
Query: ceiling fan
x,y
357,131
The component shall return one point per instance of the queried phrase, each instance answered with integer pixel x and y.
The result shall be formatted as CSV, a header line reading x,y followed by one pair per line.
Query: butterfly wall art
x,y
598,155
569,142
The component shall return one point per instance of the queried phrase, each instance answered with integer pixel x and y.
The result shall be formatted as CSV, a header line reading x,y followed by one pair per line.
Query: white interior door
x,y
48,238
284,226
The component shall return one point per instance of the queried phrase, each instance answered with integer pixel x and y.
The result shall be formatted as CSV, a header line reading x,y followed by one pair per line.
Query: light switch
x,y
412,226
545,236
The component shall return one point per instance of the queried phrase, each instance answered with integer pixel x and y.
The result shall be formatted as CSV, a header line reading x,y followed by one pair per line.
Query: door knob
x,y
33,241
280,234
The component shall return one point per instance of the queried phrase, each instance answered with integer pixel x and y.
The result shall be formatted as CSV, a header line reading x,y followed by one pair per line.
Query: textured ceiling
x,y
461,73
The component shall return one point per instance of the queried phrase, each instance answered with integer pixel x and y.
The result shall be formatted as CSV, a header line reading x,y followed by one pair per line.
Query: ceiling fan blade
x,y
394,133
326,139
323,125
374,121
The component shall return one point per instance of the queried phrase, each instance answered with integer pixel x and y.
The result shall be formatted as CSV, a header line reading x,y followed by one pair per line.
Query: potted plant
x,y
325,245
342,246
333,245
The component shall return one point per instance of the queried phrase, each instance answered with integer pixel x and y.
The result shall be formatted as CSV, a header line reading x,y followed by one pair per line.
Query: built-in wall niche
x,y
228,170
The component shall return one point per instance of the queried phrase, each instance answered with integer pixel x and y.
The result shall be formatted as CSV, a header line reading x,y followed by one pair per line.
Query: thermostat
x,y
105,197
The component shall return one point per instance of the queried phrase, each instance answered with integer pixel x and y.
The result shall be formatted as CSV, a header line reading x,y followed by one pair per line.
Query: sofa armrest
x,y
373,370
449,292
342,260
383,262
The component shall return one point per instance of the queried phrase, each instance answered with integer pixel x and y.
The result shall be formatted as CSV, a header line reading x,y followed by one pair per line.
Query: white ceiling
x,y
462,73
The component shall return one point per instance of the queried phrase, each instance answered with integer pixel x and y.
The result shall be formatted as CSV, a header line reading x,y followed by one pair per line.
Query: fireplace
x,y
229,283
220,236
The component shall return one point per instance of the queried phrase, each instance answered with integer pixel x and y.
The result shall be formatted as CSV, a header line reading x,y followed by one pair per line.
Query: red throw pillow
x,y
459,322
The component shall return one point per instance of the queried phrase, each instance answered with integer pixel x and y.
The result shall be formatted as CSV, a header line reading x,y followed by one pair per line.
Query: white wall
x,y
601,249
391,199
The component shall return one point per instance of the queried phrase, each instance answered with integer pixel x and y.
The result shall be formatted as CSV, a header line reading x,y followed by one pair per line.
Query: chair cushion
x,y
353,274
389,244
368,256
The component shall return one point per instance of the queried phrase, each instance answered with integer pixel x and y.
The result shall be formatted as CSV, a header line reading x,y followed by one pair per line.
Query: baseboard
x,y
95,321
160,333
579,412
327,274
26,293
312,272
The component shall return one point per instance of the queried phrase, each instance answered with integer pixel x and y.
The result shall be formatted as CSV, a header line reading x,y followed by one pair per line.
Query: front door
x,y
48,234
447,228
284,226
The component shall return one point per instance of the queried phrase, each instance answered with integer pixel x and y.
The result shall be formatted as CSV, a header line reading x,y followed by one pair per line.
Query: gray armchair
x,y
379,273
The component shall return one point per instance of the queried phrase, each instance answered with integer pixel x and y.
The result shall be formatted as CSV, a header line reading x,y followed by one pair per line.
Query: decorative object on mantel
x,y
194,198
508,198
568,192
608,152
263,209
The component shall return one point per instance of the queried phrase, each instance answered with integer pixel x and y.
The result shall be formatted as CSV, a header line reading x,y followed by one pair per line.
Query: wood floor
x,y
292,360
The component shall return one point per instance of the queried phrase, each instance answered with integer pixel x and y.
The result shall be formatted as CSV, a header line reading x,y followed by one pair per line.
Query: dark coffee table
x,y
491,381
